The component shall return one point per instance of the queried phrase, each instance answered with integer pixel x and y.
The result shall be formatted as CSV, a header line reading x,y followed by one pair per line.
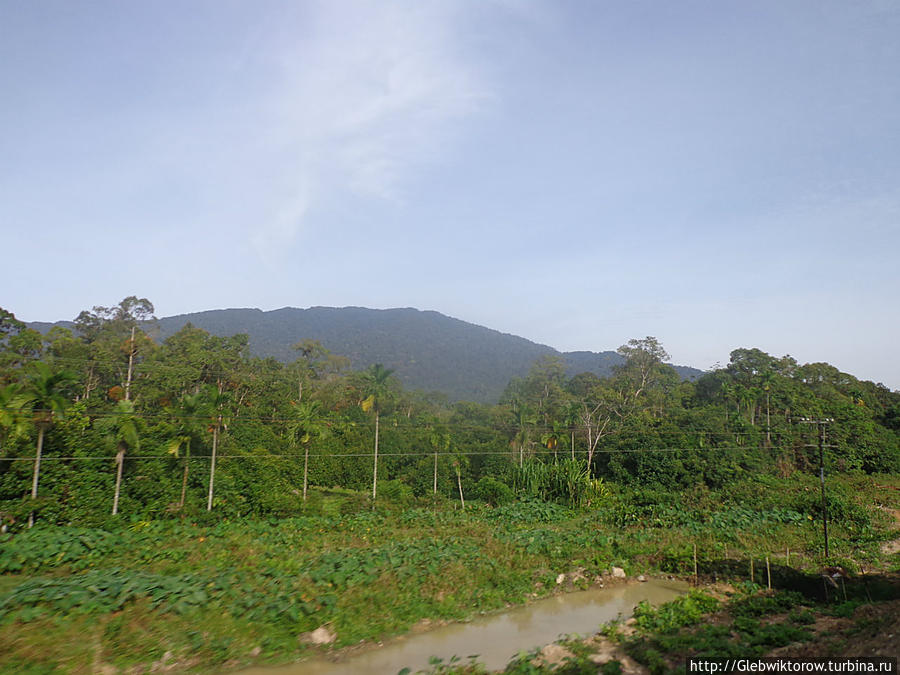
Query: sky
x,y
716,174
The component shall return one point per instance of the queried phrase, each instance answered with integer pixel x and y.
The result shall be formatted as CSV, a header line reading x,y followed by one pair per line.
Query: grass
x,y
224,595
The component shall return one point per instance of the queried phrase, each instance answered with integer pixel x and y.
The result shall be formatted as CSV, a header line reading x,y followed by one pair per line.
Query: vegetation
x,y
215,505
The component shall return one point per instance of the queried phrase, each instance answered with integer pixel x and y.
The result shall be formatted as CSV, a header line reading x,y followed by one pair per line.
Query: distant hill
x,y
430,351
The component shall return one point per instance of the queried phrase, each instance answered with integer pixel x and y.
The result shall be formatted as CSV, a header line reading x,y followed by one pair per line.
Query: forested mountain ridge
x,y
117,407
428,350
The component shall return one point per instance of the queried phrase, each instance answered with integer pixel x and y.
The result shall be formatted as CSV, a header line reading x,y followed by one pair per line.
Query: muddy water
x,y
496,637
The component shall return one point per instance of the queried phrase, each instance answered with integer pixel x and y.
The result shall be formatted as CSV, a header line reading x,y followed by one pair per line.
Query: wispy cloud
x,y
366,93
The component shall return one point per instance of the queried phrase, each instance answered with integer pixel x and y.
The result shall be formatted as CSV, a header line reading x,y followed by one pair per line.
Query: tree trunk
x,y
187,463
37,470
375,464
87,383
459,484
120,460
212,465
305,468
130,366
435,474
590,454
573,445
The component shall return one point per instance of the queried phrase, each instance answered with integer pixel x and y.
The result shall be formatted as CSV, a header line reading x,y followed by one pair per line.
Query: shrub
x,y
492,491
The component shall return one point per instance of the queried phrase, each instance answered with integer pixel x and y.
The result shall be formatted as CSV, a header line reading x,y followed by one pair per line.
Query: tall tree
x,y
377,385
44,395
440,442
122,431
306,425
524,420
216,403
187,417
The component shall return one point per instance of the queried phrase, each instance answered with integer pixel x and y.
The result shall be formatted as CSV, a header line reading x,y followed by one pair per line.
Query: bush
x,y
493,492
396,492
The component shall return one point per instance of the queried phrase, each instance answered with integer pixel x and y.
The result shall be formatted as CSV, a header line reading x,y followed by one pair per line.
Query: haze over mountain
x,y
430,351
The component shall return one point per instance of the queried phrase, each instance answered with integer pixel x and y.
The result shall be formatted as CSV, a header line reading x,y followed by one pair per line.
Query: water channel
x,y
496,638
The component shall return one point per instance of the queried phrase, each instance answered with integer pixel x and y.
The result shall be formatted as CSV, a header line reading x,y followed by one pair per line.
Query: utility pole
x,y
820,423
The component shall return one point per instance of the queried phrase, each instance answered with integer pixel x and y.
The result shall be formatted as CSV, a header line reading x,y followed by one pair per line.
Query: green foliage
x,y
840,503
74,547
758,605
530,511
396,492
493,492
565,482
403,559
99,591
685,611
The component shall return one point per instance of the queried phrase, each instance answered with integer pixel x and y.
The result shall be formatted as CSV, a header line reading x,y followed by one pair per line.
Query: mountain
x,y
430,351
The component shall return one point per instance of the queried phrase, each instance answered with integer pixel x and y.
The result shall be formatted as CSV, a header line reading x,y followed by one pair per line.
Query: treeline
x,y
104,421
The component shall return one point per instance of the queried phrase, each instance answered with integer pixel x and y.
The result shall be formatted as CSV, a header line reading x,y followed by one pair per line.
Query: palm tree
x,y
571,420
43,394
186,428
377,386
306,426
458,461
550,438
122,430
440,440
524,418
215,403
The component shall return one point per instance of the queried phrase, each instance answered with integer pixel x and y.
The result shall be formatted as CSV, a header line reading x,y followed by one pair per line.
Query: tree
x,y
187,420
596,404
215,403
524,419
122,431
641,368
19,344
12,423
306,426
377,384
550,439
440,441
458,461
114,340
311,354
571,419
43,394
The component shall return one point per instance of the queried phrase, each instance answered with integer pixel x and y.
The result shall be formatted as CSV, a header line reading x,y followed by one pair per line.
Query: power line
x,y
410,426
426,453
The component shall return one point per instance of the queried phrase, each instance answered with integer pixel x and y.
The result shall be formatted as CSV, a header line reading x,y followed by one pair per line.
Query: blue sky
x,y
715,174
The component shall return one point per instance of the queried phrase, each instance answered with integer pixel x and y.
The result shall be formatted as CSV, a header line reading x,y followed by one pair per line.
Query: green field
x,y
211,597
